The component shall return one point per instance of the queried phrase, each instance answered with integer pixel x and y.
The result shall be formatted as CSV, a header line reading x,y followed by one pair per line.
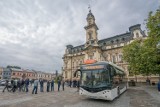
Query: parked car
x,y
3,82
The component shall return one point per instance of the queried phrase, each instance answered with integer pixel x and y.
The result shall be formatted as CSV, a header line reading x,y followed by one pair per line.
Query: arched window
x,y
120,57
114,59
73,65
137,35
90,35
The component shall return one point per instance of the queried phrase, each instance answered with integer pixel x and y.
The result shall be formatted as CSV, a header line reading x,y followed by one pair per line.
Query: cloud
x,y
34,33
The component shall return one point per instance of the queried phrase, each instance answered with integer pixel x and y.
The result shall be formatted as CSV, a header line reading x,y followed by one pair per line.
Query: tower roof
x,y
90,15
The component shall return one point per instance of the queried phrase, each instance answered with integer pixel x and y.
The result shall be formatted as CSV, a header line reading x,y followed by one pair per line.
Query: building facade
x,y
14,73
1,71
6,74
108,49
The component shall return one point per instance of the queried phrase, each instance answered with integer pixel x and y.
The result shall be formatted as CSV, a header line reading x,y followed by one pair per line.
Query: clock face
x,y
90,34
90,21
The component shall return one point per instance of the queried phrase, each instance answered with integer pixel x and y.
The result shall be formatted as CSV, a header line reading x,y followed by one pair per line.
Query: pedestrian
x,y
19,85
41,85
23,85
78,85
13,84
63,83
6,86
70,83
148,81
52,85
159,86
27,84
35,86
59,84
48,86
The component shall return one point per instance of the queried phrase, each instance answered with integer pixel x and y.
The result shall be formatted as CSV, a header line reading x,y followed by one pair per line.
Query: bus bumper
x,y
105,94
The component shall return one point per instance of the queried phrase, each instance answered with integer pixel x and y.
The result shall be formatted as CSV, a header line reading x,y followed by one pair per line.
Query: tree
x,y
142,55
153,27
130,53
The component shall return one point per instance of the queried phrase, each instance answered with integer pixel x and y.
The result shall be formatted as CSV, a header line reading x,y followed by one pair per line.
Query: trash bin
x,y
132,83
153,83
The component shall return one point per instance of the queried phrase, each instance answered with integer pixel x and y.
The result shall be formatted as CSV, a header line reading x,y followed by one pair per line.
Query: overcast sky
x,y
34,33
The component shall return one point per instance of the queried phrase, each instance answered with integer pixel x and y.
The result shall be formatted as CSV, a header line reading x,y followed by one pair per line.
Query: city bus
x,y
101,80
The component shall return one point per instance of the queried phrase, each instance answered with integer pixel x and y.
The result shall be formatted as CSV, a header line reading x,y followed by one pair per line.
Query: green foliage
x,y
17,67
57,78
153,25
142,55
130,53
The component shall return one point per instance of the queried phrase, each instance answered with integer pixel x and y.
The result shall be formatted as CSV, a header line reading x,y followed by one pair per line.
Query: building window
x,y
112,41
90,57
112,46
73,64
137,35
120,58
80,62
117,40
114,59
90,35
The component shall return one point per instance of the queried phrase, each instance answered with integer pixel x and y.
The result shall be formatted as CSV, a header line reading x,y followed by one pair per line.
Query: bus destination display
x,y
93,67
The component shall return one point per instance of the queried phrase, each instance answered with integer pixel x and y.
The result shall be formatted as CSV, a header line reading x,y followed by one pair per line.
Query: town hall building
x,y
108,49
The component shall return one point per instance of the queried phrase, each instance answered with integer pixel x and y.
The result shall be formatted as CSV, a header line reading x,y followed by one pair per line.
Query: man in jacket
x,y
59,84
41,85
27,84
52,85
35,86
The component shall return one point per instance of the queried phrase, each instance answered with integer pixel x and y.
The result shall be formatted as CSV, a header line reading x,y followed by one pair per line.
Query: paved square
x,y
133,97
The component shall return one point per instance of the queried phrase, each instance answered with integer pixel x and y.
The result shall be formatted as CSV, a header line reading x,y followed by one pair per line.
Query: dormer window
x,y
123,39
90,21
112,41
137,35
117,40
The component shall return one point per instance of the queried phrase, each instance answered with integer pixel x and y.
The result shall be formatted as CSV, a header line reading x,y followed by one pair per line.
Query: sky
x,y
34,33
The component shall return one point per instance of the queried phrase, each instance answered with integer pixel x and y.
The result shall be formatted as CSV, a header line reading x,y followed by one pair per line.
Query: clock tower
x,y
91,30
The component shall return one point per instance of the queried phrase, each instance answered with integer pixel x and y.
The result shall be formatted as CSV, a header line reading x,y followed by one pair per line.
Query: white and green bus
x,y
101,80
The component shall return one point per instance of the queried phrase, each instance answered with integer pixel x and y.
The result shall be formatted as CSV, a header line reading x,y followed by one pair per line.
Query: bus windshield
x,y
95,78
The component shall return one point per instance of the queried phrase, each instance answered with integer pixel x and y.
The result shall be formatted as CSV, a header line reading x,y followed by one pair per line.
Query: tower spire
x,y
89,7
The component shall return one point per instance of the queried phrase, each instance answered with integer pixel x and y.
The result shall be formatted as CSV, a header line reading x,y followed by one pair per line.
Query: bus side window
x,y
112,71
113,75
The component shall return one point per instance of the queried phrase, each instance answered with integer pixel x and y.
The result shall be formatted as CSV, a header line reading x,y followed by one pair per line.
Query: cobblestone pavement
x,y
133,97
